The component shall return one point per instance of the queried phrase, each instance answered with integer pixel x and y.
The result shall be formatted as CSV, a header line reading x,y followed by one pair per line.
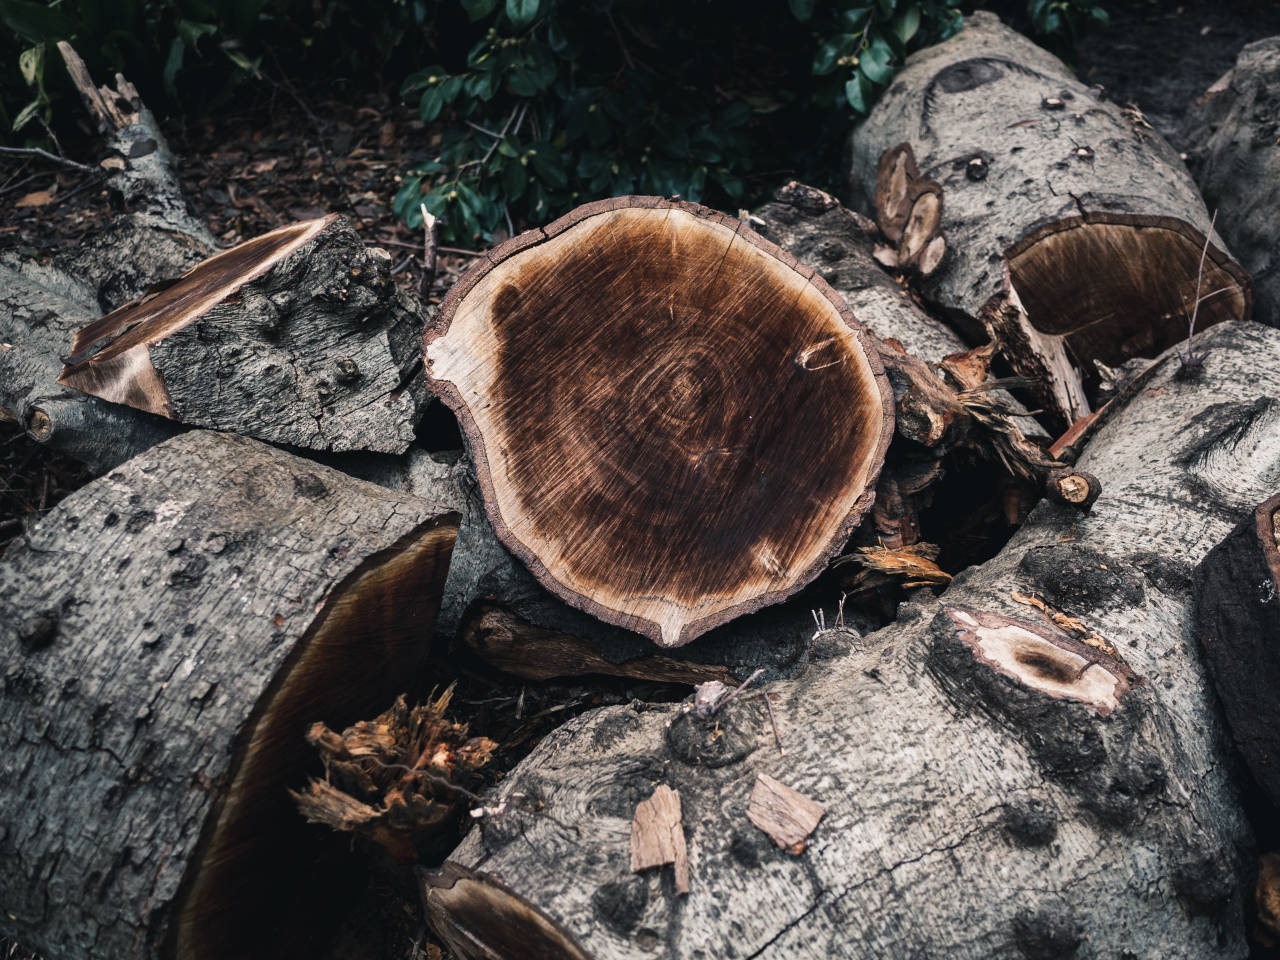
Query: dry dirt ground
x,y
288,154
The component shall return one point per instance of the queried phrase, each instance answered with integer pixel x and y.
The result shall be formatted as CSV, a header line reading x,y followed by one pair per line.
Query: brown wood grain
x,y
673,421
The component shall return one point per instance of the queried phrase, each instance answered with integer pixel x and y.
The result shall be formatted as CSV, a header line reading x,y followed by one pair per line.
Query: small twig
x,y
428,248
768,702
1189,358
485,130
51,157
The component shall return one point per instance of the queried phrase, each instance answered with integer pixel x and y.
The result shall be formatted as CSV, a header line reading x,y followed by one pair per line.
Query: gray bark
x,y
815,229
1026,154
1233,152
41,308
169,632
968,814
320,352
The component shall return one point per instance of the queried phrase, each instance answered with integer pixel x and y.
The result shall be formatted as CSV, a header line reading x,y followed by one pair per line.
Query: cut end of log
x,y
377,625
895,182
1073,488
1123,286
656,399
111,357
1044,659
480,919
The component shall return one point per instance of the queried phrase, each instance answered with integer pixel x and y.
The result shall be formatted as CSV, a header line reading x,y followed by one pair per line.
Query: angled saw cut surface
x,y
673,421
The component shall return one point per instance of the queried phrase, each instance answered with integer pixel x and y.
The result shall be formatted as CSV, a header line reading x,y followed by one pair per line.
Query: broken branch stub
x,y
1073,234
673,422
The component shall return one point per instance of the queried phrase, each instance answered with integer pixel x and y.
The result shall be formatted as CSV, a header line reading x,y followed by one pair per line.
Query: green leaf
x,y
802,10
479,9
886,8
907,23
450,89
830,53
514,180
422,78
25,115
1101,15
853,18
874,61
858,92
172,64
191,32
432,103
406,200
31,63
549,164
521,13
521,83
35,22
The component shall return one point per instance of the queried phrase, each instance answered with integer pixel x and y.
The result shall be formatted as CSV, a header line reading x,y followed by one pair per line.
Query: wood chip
x,y
786,815
657,835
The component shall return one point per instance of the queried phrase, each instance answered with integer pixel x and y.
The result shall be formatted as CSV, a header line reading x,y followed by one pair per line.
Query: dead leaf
x,y
37,198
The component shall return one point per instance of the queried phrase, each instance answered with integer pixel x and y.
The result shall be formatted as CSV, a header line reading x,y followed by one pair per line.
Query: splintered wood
x,y
657,835
786,815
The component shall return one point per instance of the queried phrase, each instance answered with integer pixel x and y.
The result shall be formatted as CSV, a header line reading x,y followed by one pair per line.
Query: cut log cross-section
x,y
1074,234
673,421
170,631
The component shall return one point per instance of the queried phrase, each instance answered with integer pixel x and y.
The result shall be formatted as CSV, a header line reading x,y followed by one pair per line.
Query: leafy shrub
x,y
558,102
192,54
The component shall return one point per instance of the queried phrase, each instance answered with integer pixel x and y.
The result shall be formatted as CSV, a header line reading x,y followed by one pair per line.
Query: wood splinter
x,y
786,815
657,835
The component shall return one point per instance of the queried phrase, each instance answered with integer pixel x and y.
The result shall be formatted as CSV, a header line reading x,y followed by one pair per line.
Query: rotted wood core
x,y
1124,286
377,623
673,421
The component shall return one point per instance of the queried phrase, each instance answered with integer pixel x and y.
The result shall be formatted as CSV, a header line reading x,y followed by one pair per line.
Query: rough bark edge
x,y
452,396
1217,255
1265,520
178,930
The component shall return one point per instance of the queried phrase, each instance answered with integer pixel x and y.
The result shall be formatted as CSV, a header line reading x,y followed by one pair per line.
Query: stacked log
x,y
173,629
1232,148
1075,235
1030,765
297,337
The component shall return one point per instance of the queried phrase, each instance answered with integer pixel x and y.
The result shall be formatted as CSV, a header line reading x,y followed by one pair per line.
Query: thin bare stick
x,y
1190,358
773,721
51,157
429,248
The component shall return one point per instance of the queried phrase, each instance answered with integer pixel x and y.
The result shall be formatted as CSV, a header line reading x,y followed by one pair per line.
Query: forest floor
x,y
284,154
